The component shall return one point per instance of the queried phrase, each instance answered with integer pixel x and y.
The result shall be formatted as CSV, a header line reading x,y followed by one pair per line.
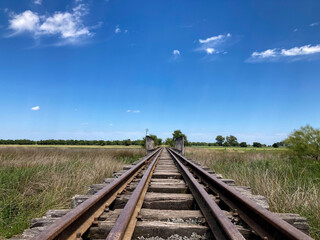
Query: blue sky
x,y
110,69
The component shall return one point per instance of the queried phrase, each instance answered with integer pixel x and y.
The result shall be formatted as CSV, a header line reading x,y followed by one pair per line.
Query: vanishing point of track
x,y
166,185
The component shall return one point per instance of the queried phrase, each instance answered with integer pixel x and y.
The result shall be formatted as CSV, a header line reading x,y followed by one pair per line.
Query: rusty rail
x,y
77,221
266,224
124,226
221,227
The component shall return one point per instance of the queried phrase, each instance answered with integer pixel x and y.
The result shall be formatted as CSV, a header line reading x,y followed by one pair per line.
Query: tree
x,y
243,144
275,145
305,142
127,142
232,140
169,142
220,140
257,144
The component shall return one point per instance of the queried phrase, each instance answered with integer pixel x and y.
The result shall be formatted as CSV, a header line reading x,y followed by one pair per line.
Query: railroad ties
x,y
167,196
168,207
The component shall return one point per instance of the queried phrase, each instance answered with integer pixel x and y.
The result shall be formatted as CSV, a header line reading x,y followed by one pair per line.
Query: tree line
x,y
228,141
126,142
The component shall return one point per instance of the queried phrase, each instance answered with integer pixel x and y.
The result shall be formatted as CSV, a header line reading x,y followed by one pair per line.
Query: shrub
x,y
243,144
305,142
257,144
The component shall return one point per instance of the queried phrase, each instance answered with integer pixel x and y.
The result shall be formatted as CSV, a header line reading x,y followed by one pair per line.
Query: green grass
x,y
290,184
34,180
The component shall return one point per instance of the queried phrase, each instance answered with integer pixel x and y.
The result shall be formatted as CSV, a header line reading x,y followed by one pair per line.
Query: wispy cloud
x,y
213,45
277,54
175,55
133,111
38,2
110,125
36,108
117,30
214,39
64,25
85,123
314,24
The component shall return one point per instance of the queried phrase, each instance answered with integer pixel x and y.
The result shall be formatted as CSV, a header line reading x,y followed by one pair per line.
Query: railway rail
x,y
167,195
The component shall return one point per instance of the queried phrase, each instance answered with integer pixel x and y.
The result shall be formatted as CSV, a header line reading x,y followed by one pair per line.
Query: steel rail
x,y
78,220
125,224
266,224
221,227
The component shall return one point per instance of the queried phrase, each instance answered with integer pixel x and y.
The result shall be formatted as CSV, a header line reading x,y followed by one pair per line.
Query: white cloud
x,y
133,111
36,108
298,51
176,52
65,25
314,24
210,50
110,125
214,38
85,123
26,21
265,54
283,54
38,2
213,45
117,30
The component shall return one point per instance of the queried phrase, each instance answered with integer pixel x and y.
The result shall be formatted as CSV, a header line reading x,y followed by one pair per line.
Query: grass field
x,y
291,185
36,179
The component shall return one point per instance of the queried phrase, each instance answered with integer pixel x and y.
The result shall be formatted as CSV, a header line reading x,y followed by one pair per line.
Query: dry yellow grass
x,y
290,185
33,180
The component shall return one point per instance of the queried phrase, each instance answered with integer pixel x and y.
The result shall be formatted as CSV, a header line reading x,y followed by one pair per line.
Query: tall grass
x,y
34,180
290,185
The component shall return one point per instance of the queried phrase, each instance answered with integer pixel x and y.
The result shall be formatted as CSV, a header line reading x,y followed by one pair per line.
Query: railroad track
x,y
165,195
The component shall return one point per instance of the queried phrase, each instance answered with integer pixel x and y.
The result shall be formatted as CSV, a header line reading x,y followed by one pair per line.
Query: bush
x,y
243,144
257,144
226,144
275,145
305,142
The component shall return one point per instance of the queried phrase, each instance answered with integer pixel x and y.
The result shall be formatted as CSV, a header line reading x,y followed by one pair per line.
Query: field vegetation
x,y
34,180
291,184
